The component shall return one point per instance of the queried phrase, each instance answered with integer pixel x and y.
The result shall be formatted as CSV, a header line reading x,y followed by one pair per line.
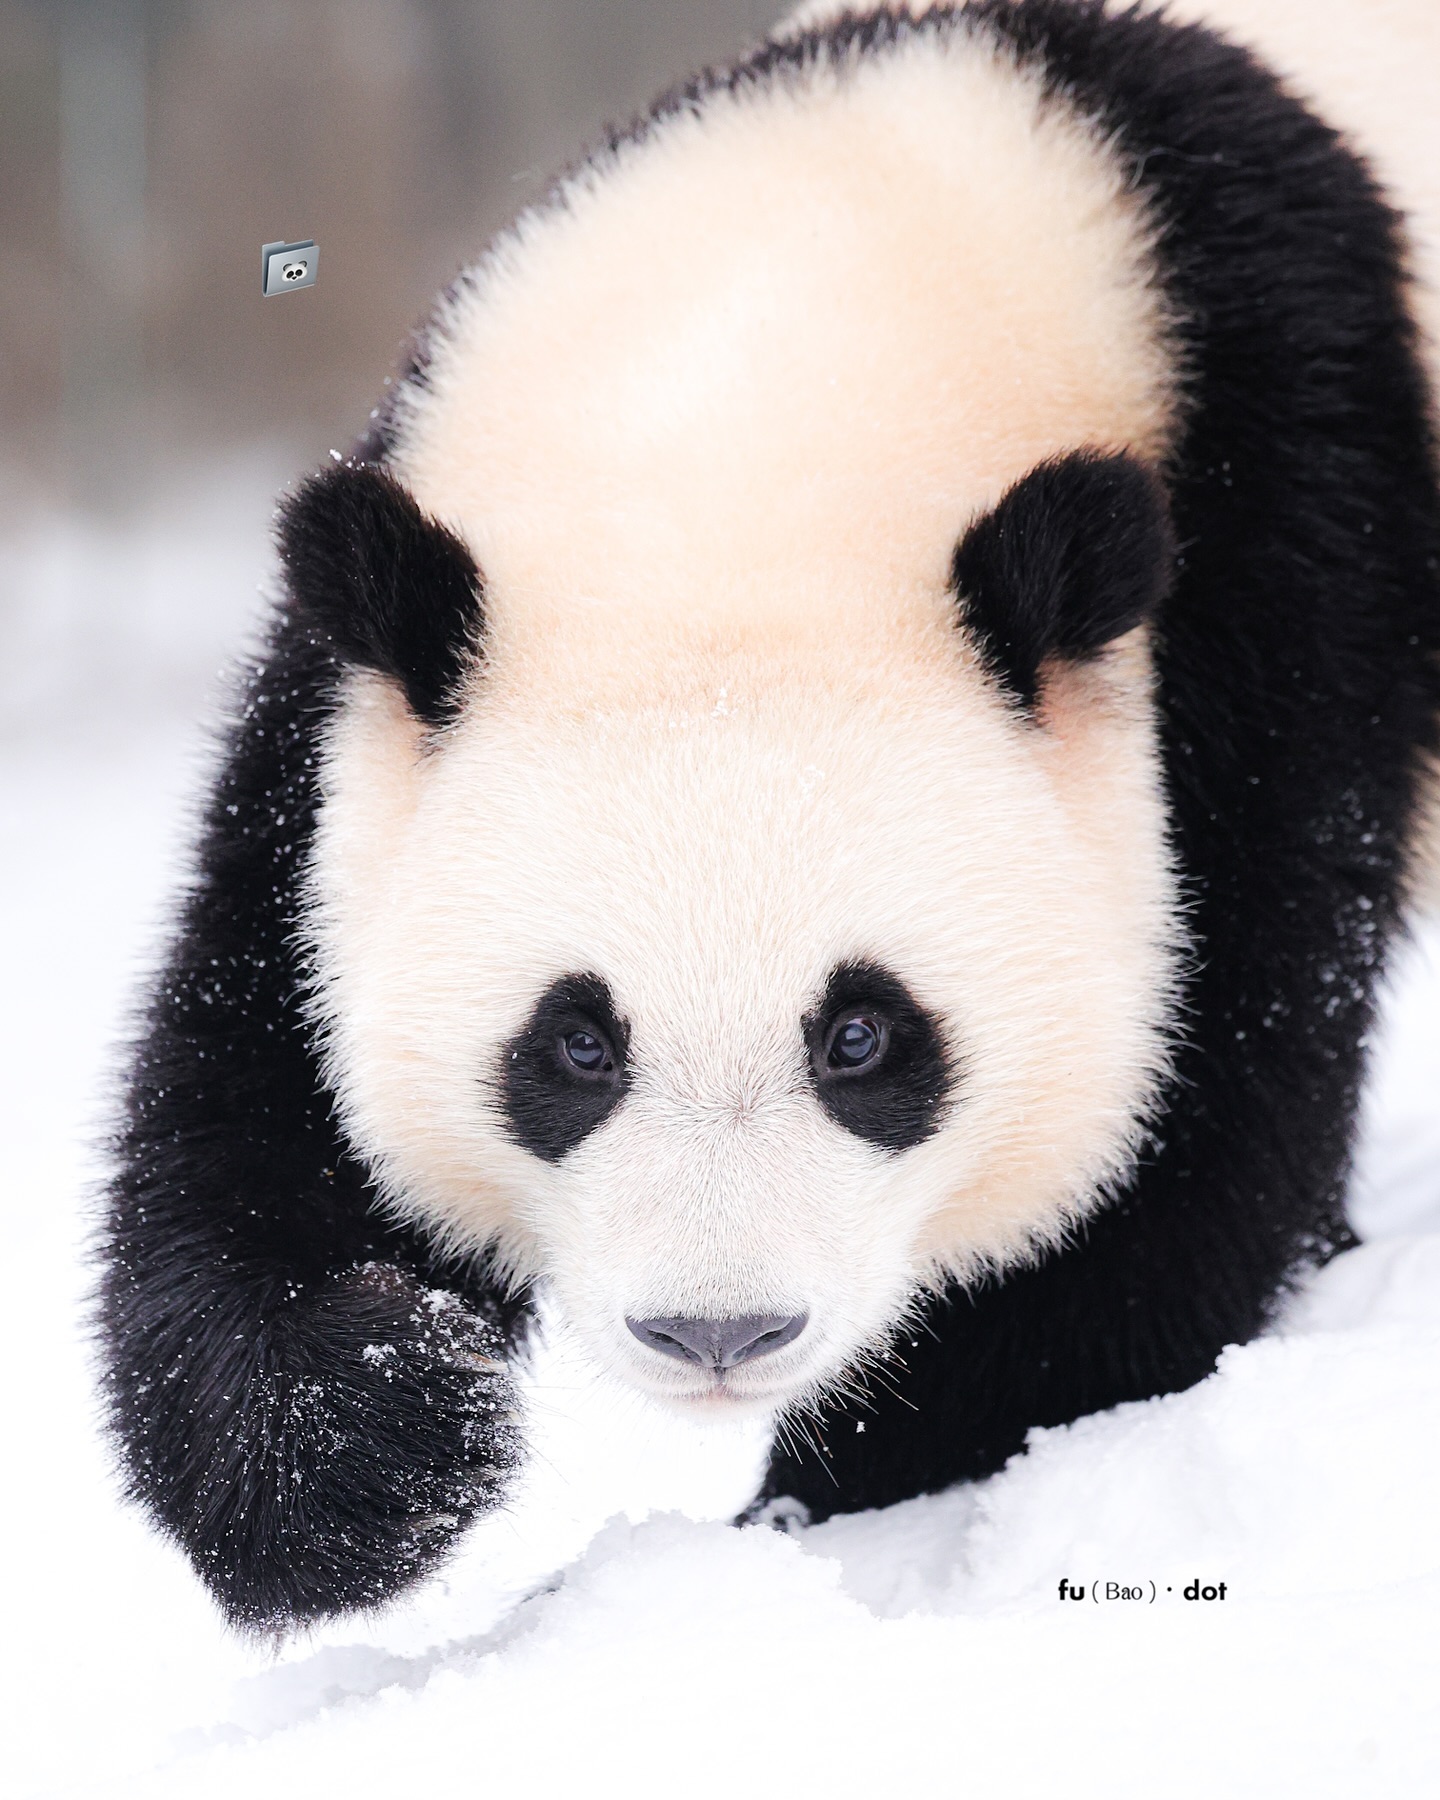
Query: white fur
x,y
713,425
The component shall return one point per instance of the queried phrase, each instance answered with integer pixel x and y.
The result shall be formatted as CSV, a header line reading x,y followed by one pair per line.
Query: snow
x,y
610,1632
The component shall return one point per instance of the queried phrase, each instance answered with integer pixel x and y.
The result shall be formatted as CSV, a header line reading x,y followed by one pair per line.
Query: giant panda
x,y
829,790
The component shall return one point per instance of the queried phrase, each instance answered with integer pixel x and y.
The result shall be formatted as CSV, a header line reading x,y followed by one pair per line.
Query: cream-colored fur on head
x,y
713,425
806,334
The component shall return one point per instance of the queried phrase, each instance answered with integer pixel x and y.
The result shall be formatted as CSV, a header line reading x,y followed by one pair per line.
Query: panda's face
x,y
781,918
737,1008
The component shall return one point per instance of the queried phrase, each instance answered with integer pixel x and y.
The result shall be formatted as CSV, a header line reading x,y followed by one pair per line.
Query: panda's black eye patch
x,y
877,1057
564,1072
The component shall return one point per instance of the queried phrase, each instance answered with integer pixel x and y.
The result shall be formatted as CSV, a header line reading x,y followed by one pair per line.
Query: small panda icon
x,y
285,267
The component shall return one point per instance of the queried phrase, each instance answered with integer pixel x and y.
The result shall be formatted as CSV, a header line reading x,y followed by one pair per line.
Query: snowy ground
x,y
922,1649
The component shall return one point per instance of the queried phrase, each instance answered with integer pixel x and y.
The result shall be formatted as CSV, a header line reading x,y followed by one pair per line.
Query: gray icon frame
x,y
275,257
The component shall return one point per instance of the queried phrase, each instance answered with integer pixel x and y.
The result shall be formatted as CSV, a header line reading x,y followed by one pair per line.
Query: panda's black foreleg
x,y
314,1441
302,1393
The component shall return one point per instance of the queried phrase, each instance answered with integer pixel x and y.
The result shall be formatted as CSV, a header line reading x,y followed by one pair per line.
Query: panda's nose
x,y
719,1343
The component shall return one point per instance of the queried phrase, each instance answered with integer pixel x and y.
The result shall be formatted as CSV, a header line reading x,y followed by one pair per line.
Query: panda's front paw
x,y
375,1421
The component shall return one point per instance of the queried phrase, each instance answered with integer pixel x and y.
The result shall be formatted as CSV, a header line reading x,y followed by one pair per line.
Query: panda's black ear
x,y
1079,551
389,588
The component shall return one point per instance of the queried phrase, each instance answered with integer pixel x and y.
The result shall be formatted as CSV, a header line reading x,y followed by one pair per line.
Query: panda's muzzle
x,y
716,1345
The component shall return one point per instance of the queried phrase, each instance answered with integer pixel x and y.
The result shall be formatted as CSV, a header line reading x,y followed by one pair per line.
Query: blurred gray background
x,y
150,399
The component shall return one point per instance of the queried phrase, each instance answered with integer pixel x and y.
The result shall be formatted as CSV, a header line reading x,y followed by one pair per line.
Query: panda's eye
x,y
587,1053
856,1042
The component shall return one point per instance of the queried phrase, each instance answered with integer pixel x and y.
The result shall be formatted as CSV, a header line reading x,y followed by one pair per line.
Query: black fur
x,y
290,1404
390,589
897,1103
1297,662
1077,552
549,1106
305,1398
